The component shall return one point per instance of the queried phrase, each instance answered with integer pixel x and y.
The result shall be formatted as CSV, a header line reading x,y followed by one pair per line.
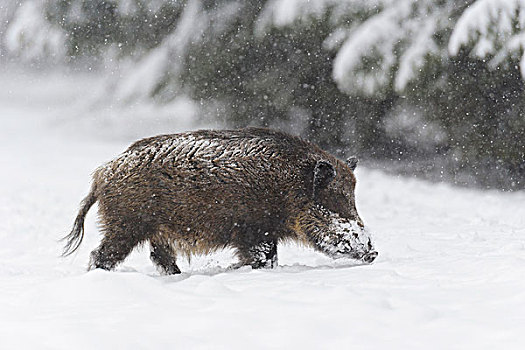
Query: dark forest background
x,y
432,87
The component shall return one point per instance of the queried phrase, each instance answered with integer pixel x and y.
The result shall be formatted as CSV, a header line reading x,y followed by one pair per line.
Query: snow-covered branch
x,y
30,36
493,29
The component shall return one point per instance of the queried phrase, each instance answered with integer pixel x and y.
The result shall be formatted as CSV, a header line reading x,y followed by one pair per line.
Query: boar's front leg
x,y
260,255
163,255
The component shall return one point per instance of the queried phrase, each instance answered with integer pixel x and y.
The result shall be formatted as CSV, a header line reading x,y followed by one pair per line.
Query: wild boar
x,y
247,189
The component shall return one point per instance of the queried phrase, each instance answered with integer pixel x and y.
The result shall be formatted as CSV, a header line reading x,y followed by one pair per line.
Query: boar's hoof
x,y
164,258
261,255
368,258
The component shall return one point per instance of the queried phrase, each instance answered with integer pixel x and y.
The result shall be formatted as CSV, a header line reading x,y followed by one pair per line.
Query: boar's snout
x,y
370,257
343,238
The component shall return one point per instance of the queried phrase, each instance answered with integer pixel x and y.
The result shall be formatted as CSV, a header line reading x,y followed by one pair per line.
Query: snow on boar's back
x,y
199,191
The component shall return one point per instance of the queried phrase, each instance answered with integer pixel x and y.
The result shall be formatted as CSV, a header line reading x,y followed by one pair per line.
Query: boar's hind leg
x,y
260,255
163,255
113,249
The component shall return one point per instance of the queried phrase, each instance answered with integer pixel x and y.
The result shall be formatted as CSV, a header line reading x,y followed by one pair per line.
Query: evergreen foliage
x,y
436,85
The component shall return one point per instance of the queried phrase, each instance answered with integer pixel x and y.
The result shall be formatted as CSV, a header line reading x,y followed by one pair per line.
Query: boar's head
x,y
332,224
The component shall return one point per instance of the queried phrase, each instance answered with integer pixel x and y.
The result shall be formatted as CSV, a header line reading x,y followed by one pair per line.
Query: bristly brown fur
x,y
200,191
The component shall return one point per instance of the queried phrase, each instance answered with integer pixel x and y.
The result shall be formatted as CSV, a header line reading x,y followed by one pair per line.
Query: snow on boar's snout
x,y
248,189
332,224
346,238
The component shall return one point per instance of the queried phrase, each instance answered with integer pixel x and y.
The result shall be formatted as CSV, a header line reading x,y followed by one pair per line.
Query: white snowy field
x,y
450,273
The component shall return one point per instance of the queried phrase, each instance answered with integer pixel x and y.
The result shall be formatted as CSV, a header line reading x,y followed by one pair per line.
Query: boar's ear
x,y
352,162
324,173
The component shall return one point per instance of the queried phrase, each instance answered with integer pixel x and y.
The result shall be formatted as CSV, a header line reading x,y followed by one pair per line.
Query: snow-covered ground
x,y
450,274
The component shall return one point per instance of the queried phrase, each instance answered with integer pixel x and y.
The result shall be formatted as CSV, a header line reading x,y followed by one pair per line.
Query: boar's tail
x,y
74,239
